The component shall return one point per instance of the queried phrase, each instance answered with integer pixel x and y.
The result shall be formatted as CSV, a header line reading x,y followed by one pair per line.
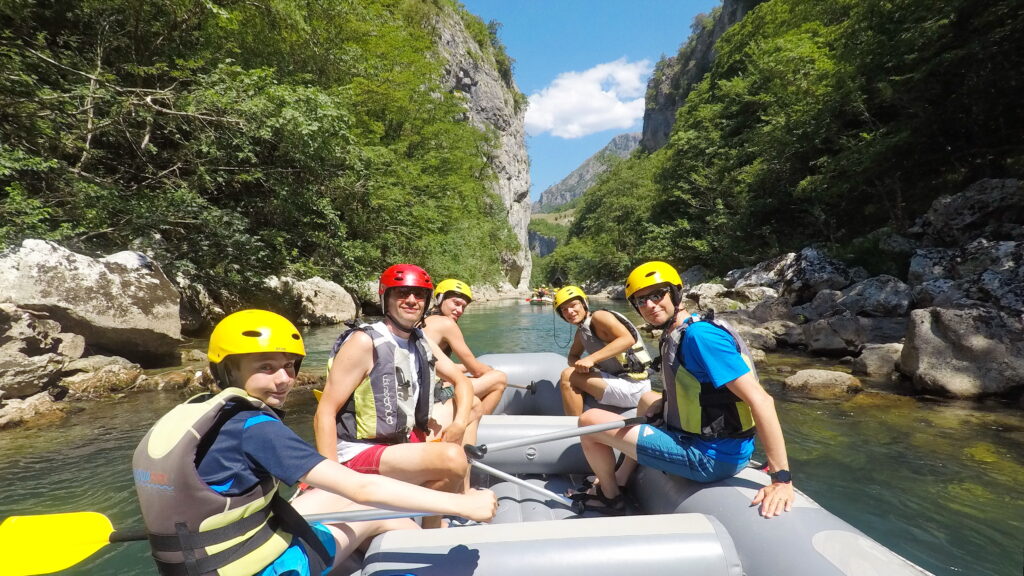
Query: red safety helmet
x,y
404,275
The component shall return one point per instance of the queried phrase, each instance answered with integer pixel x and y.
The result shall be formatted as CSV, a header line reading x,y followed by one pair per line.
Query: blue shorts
x,y
294,561
676,453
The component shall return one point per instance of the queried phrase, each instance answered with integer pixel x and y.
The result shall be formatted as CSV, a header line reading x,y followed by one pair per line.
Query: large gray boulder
x,y
878,360
964,353
835,336
878,296
314,301
798,276
122,303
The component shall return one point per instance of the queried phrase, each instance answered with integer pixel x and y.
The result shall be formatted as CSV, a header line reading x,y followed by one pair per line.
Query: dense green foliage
x,y
820,121
240,139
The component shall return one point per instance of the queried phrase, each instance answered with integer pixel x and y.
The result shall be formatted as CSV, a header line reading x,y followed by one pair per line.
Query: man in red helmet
x,y
383,410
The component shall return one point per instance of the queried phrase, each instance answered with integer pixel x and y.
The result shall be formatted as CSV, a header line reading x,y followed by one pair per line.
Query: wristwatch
x,y
781,476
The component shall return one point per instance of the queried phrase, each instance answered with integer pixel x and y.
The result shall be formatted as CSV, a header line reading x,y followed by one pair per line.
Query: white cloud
x,y
607,96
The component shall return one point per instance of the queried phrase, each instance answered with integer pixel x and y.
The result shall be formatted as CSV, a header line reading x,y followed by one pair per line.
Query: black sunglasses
x,y
655,297
403,292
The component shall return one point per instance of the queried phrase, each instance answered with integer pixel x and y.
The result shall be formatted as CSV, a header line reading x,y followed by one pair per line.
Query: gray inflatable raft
x,y
682,527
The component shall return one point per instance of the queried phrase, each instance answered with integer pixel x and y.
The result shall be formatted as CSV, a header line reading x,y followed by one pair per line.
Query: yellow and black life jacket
x,y
193,530
632,363
381,408
698,407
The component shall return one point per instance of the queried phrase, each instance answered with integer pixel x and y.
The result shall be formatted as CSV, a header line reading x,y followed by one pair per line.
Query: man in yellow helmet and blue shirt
x,y
711,402
207,473
614,371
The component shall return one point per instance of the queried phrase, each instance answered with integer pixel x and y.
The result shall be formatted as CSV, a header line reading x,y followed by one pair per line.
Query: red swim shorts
x,y
368,461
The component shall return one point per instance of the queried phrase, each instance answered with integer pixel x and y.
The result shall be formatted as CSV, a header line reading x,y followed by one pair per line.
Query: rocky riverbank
x,y
954,328
74,326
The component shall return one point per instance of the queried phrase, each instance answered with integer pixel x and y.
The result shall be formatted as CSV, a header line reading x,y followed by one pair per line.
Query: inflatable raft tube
x,y
809,540
671,544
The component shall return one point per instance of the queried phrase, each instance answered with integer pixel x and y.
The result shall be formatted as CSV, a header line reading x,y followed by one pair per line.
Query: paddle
x,y
522,483
479,451
48,543
531,387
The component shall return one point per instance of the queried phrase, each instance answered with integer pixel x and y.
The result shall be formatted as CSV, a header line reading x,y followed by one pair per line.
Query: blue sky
x,y
584,64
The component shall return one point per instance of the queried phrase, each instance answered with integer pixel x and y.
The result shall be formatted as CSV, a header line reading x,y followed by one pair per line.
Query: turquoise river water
x,y
937,481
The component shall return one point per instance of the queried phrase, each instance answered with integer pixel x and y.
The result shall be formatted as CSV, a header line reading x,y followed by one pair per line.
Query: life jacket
x,y
632,363
700,408
384,406
193,530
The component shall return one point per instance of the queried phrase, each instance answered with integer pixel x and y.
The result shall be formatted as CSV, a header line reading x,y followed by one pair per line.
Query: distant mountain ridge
x,y
576,183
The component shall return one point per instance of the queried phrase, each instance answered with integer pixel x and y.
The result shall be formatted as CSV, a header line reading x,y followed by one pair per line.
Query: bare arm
x,y
441,329
616,336
376,490
775,497
351,365
447,370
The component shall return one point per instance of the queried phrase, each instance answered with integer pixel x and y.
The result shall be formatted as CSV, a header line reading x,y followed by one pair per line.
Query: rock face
x,y
491,104
122,303
984,270
579,180
674,78
32,351
542,245
991,209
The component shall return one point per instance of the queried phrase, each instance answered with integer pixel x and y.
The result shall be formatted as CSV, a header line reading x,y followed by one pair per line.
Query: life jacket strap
x,y
199,540
210,564
293,522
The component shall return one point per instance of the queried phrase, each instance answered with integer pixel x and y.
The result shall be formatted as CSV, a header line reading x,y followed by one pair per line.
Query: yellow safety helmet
x,y
250,331
568,293
452,285
649,274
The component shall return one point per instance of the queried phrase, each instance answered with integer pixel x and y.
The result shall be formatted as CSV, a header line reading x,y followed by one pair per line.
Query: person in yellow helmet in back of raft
x,y
207,473
711,402
451,297
614,371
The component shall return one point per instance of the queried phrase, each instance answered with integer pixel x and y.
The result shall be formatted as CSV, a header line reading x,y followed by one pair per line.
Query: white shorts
x,y
623,392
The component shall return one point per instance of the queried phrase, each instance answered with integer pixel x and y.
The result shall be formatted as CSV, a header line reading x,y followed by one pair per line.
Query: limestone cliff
x,y
576,183
493,103
675,77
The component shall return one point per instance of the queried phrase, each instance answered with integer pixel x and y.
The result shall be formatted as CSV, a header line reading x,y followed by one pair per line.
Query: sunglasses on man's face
x,y
654,297
404,292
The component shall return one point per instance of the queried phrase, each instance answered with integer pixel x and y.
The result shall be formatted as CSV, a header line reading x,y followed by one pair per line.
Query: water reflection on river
x,y
938,482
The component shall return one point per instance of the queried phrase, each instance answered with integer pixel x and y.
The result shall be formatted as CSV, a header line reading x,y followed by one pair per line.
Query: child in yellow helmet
x,y
220,483
614,371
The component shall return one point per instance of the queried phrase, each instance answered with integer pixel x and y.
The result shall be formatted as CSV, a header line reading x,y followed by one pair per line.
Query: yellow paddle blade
x,y
50,542
317,394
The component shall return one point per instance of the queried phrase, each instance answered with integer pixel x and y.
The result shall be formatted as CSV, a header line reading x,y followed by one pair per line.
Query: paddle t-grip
x,y
475,452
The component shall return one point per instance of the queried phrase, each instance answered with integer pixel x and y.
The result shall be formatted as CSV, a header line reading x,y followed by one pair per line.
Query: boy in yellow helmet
x,y
711,402
207,473
451,297
614,371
